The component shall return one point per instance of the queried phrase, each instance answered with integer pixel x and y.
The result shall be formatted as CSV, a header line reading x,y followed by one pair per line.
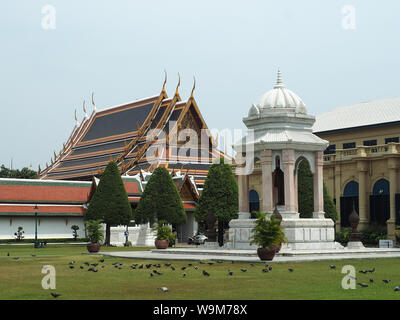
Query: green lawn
x,y
21,278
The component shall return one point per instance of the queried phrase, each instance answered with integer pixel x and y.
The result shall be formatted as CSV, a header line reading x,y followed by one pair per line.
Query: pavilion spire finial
x,y
94,105
179,83
84,108
165,80
279,82
76,119
194,87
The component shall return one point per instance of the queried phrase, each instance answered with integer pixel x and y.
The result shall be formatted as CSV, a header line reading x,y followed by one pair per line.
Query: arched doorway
x,y
380,202
279,184
254,202
305,187
350,197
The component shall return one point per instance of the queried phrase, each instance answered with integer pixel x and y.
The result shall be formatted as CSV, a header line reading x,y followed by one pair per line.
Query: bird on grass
x,y
184,274
101,260
251,264
290,270
386,280
16,258
363,285
95,264
230,272
163,289
151,274
103,266
55,295
8,254
87,264
264,270
114,263
33,255
201,262
219,261
243,270
167,264
81,267
173,268
332,266
183,268
196,267
371,270
72,262
140,267
71,267
205,273
397,288
371,280
211,263
363,271
189,264
270,268
148,266
133,267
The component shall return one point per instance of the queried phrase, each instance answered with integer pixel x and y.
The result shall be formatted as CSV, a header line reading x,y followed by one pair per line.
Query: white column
x,y
318,187
267,186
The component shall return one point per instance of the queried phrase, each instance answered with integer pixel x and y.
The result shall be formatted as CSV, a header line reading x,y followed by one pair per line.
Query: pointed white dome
x,y
281,97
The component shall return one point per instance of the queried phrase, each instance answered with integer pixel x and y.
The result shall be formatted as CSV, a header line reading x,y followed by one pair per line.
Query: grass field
x,y
21,278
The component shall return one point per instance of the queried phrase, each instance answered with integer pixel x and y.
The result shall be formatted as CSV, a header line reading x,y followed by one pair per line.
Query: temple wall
x,y
48,227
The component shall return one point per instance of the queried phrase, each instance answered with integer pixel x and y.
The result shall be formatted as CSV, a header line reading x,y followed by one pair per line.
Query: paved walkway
x,y
251,255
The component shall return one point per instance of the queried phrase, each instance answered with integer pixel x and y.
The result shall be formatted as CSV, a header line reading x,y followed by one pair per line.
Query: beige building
x,y
361,163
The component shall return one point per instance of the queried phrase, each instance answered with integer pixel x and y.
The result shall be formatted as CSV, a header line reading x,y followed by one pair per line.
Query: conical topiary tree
x,y
306,194
160,200
219,197
110,201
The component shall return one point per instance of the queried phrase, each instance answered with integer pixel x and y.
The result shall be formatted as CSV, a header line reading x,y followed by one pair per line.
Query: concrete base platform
x,y
251,255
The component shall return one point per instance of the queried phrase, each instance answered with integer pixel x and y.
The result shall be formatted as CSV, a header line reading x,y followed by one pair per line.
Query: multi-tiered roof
x,y
123,134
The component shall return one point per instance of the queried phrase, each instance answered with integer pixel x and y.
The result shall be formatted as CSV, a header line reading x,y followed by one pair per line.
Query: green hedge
x,y
57,240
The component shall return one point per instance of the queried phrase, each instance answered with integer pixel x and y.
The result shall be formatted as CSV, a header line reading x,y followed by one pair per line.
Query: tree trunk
x,y
108,234
221,230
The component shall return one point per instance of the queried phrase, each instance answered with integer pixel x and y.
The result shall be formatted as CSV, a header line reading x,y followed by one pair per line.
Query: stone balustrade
x,y
363,152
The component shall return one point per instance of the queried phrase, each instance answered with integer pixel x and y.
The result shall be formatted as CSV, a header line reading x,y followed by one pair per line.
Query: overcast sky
x,y
119,50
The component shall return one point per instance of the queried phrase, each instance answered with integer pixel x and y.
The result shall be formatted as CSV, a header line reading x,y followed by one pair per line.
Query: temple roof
x,y
125,134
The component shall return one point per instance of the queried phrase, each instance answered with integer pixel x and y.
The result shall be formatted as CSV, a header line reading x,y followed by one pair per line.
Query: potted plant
x,y
95,235
75,229
268,235
164,235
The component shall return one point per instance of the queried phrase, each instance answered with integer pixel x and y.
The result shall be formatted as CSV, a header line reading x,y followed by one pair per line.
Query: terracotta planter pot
x,y
266,253
161,244
93,247
277,247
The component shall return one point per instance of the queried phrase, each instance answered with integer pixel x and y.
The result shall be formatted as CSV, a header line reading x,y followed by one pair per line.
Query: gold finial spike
x,y
76,118
55,156
52,162
94,105
47,165
179,83
64,146
39,170
84,106
165,80
194,86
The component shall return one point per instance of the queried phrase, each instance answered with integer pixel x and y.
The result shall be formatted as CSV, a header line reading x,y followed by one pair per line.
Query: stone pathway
x,y
251,255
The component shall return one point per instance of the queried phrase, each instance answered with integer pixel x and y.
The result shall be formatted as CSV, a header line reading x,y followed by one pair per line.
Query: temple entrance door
x,y
380,202
254,203
350,196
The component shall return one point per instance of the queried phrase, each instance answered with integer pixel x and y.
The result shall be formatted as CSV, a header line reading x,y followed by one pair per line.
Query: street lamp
x,y
36,215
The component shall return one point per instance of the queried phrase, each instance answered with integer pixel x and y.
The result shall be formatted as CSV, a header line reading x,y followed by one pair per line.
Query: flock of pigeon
x,y
94,267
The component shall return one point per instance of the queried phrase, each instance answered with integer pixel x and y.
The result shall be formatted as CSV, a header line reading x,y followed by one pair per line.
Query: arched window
x,y
381,187
351,189
347,201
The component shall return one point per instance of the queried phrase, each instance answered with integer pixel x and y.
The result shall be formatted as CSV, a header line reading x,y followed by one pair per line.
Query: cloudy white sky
x,y
119,49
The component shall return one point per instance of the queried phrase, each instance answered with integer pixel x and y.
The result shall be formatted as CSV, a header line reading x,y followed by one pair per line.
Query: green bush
x,y
164,231
343,236
373,233
267,232
94,231
55,240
